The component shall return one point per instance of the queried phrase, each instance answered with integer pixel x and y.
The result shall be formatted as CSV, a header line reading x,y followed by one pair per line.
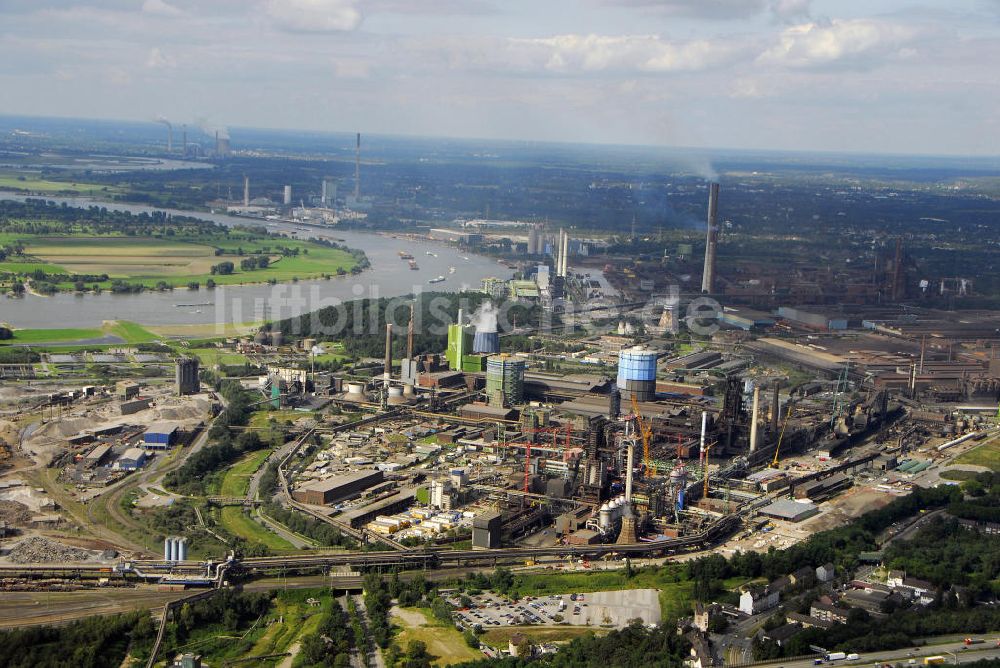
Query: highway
x,y
989,650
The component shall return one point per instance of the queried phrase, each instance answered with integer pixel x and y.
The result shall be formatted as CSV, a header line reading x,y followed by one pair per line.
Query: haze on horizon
x,y
819,75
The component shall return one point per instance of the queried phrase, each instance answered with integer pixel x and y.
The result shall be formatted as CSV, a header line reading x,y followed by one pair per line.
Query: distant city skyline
x,y
818,75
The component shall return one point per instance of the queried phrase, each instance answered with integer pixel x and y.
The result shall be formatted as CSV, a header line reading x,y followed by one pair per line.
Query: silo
x,y
166,548
604,517
356,391
182,549
172,549
504,380
637,373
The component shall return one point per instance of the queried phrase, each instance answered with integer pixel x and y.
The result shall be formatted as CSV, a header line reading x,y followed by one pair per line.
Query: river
x,y
388,276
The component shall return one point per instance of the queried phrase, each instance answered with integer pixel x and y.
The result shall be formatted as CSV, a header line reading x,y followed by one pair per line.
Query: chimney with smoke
x,y
170,133
487,339
708,275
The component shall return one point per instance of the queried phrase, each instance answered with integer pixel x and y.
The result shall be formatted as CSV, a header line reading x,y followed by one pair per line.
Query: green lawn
x,y
238,476
987,454
128,332
443,641
237,522
54,335
30,267
211,356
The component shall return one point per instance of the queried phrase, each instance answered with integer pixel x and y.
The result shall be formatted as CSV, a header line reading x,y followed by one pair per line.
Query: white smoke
x,y
485,319
210,128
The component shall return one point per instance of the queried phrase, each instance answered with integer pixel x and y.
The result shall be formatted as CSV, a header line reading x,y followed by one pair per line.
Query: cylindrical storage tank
x,y
277,338
637,373
308,344
166,548
172,549
504,380
182,549
356,390
604,516
396,395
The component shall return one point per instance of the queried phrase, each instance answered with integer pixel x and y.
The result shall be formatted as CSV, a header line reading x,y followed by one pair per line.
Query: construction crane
x,y
646,432
777,448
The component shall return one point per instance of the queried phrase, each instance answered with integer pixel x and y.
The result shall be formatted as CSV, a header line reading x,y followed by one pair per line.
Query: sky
x,y
883,76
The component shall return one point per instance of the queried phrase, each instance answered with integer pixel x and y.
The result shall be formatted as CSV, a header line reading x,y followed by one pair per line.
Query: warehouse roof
x,y
790,510
340,480
162,428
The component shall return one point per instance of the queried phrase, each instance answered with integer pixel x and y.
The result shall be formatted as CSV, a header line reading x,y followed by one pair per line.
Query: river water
x,y
388,276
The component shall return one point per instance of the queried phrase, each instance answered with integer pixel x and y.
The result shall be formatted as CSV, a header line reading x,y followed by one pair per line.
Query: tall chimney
x,y
409,336
184,139
246,191
565,256
704,428
388,351
708,275
170,138
629,465
754,418
218,147
775,409
357,169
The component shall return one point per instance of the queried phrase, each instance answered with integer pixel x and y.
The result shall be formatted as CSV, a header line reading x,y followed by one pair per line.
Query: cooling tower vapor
x,y
487,339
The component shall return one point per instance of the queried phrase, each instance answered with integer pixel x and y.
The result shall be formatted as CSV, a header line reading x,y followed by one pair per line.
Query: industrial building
x,y
788,510
131,460
160,436
186,376
331,490
504,380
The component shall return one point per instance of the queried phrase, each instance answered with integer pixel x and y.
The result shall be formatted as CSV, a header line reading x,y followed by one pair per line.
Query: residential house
x,y
782,634
825,573
828,613
808,622
803,577
758,599
701,651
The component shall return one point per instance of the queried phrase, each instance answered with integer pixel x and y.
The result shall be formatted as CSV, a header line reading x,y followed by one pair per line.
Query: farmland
x,y
51,249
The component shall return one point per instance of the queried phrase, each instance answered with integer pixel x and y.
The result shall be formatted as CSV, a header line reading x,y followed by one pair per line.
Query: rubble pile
x,y
14,513
38,550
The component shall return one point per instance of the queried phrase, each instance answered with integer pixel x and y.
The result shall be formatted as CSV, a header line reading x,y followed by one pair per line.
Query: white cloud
x,y
314,15
787,10
859,42
699,9
616,53
159,60
160,8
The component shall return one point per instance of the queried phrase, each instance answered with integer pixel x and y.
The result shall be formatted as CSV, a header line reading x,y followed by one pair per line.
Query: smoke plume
x,y
485,319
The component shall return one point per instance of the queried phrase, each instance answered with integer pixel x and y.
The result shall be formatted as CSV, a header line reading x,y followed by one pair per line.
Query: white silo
x,y
182,549
166,548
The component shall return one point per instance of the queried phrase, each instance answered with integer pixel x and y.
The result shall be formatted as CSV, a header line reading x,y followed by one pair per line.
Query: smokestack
x,y
628,472
775,409
170,133
708,274
357,170
246,191
184,140
287,196
898,287
409,336
388,350
218,147
754,418
704,428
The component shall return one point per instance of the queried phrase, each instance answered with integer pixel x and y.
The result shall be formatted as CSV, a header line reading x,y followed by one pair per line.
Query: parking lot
x,y
607,608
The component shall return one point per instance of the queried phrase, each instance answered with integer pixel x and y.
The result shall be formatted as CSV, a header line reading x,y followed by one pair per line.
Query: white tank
x,y
166,548
182,549
355,389
395,392
604,516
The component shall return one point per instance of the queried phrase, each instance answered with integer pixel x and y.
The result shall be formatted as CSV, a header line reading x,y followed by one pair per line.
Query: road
x,y
965,655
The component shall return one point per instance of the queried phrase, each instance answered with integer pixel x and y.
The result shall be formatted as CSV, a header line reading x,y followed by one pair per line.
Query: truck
x,y
974,641
835,656
853,657
935,660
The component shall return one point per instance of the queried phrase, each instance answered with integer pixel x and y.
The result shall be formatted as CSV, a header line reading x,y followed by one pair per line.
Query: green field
x,y
238,476
35,336
443,641
175,261
987,454
128,332
38,185
236,521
